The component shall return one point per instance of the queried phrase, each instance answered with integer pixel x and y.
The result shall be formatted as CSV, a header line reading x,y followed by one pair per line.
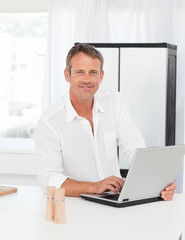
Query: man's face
x,y
85,76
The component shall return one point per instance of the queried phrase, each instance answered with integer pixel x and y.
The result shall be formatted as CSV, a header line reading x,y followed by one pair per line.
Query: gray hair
x,y
86,49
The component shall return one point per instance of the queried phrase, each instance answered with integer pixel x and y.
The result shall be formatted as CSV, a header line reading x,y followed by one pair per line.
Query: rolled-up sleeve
x,y
49,156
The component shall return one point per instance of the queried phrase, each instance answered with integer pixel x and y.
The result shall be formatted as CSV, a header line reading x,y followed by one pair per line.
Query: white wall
x,y
23,6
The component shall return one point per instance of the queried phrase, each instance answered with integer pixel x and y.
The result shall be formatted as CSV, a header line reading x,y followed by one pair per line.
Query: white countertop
x,y
22,216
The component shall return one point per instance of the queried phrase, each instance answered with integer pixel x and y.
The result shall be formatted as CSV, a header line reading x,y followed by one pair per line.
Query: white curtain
x,y
71,21
109,21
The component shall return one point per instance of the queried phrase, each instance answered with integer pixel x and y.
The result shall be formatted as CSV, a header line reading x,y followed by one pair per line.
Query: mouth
x,y
86,87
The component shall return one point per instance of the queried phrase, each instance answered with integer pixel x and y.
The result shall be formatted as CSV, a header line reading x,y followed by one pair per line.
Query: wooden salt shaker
x,y
60,215
50,210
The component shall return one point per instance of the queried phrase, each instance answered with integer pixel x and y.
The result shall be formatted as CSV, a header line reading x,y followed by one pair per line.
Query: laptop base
x,y
121,204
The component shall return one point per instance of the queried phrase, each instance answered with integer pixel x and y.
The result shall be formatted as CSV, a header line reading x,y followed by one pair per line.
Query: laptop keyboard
x,y
111,196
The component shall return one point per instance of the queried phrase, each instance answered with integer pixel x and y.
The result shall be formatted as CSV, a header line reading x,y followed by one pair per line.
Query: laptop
x,y
152,169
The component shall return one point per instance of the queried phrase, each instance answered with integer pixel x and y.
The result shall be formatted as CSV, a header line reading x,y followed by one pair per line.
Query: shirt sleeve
x,y
49,156
128,136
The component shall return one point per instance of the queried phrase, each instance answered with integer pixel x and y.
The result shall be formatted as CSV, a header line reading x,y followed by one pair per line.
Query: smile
x,y
86,87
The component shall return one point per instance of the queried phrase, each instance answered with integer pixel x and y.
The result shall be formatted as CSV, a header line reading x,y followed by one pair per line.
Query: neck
x,y
82,106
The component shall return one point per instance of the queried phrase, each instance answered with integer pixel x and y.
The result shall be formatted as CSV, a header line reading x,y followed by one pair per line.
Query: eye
x,y
79,72
94,73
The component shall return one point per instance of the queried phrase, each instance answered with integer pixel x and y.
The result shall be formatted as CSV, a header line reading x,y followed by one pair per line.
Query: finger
x,y
168,198
168,192
111,188
171,187
119,180
167,195
171,192
116,185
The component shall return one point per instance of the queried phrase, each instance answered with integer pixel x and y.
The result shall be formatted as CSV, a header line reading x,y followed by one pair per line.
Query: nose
x,y
85,82
86,78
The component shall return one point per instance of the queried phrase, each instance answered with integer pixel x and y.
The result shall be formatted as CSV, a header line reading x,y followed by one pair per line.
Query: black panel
x,y
171,101
124,172
119,62
133,45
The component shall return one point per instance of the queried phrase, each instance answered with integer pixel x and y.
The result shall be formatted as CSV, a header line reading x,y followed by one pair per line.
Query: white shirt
x,y
66,146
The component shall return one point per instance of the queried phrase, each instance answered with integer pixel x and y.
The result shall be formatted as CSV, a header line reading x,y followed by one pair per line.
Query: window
x,y
22,60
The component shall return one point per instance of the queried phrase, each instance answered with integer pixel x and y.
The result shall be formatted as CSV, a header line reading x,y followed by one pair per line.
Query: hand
x,y
112,183
168,192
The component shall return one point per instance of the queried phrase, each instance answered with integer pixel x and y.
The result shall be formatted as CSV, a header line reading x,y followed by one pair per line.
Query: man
x,y
77,137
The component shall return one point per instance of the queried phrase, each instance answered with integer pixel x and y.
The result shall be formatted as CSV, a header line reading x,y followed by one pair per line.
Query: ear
x,y
101,76
67,75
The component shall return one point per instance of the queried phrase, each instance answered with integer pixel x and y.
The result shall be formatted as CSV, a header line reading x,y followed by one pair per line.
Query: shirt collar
x,y
97,106
71,113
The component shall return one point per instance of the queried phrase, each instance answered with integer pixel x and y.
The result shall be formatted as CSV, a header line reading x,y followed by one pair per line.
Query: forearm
x,y
74,188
